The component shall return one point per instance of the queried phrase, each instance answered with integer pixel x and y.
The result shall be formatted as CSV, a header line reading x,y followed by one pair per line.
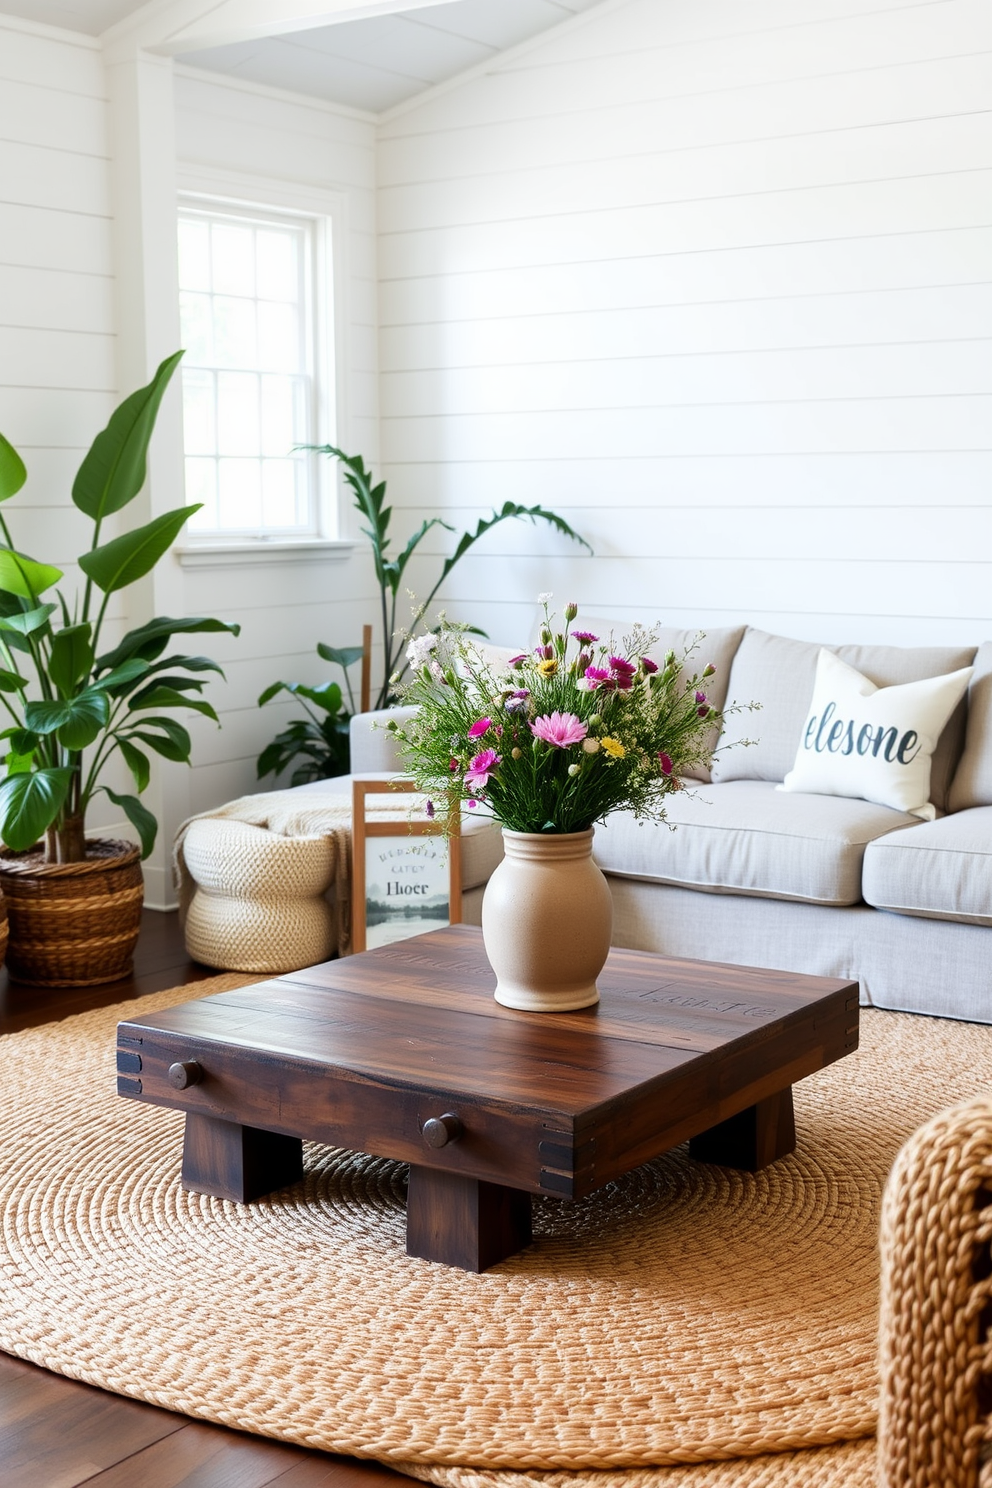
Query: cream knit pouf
x,y
259,903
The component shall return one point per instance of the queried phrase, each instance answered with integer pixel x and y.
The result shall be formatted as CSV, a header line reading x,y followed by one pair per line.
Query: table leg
x,y
237,1162
753,1138
464,1221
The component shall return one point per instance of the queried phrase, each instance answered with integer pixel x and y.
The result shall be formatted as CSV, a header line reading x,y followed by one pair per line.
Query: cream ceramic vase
x,y
547,915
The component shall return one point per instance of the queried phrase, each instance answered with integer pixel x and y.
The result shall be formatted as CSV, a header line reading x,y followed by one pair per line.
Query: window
x,y
246,283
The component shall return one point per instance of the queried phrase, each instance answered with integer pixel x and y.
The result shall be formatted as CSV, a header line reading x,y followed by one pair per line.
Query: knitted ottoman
x,y
259,899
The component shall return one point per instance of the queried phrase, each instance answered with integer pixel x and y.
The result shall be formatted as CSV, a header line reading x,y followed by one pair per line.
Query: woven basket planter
x,y
73,924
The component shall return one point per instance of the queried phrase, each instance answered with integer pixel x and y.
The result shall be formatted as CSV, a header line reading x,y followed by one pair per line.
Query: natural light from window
x,y
248,384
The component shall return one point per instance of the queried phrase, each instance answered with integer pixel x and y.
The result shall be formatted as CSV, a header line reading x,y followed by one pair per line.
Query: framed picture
x,y
406,875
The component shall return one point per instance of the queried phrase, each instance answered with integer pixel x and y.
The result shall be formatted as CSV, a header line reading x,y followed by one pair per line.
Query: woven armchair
x,y
934,1428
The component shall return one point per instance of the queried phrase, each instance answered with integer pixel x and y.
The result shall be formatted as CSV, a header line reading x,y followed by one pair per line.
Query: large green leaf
x,y
150,640
125,559
23,576
137,762
170,740
113,471
124,677
29,804
71,657
139,816
345,656
12,471
326,697
160,696
26,622
75,721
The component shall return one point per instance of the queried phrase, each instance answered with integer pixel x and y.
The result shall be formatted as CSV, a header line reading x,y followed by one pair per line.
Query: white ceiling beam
x,y
171,27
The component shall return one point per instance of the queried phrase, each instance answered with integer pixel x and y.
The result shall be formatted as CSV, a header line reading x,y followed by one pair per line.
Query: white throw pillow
x,y
872,742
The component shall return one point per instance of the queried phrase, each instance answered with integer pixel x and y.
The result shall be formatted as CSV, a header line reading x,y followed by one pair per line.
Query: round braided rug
x,y
686,1314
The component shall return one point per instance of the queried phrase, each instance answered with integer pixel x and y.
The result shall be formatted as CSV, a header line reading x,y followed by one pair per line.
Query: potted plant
x,y
321,740
548,745
71,707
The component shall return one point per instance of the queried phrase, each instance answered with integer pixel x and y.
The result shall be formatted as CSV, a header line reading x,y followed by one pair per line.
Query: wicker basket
x,y
73,924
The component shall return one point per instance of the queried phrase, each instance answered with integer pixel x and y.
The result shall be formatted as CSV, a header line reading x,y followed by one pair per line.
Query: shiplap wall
x,y
285,606
713,281
57,331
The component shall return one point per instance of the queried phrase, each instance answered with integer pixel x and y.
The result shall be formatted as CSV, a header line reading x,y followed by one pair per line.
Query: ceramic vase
x,y
547,915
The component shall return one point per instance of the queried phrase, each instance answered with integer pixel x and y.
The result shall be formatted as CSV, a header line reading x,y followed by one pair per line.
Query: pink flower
x,y
452,765
585,637
623,672
516,661
480,768
649,665
700,697
429,809
482,726
559,729
666,761
596,676
704,711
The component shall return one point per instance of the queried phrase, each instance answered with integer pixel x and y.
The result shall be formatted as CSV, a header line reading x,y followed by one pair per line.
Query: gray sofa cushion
x,y
778,673
746,837
972,783
940,870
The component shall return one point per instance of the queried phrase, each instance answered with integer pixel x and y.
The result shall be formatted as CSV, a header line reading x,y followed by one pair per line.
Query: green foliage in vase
x,y
79,706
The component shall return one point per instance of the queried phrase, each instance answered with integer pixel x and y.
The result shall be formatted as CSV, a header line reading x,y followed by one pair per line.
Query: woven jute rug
x,y
687,1327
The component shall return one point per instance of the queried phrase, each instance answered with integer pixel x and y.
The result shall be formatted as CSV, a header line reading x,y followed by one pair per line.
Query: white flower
x,y
545,598
419,650
590,745
584,685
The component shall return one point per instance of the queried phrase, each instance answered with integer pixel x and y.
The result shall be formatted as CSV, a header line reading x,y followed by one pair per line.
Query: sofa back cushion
x,y
706,648
779,672
972,783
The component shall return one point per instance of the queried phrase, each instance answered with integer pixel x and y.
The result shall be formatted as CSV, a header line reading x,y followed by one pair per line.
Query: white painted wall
x,y
285,605
57,325
58,371
713,281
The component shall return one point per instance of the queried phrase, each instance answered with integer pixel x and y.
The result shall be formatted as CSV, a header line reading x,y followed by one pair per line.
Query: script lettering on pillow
x,y
874,743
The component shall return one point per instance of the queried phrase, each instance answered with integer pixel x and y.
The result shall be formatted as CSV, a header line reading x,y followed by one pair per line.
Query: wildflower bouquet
x,y
559,736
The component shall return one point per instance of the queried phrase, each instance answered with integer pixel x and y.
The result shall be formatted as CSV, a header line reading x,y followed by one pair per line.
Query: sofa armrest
x,y
936,1287
373,748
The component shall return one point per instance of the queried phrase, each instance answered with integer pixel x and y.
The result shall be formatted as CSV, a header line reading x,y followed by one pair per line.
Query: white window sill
x,y
242,553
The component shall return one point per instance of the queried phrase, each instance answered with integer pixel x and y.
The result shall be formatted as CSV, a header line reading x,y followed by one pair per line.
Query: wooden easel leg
x,y
463,1221
753,1138
237,1162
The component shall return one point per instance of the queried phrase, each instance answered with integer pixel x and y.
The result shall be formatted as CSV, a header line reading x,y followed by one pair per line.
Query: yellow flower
x,y
613,748
547,668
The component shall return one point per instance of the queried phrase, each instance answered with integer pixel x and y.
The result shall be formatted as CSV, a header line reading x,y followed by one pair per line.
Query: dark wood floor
x,y
56,1433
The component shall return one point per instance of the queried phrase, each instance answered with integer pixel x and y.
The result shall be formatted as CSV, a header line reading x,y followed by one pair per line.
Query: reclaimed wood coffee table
x,y
403,1053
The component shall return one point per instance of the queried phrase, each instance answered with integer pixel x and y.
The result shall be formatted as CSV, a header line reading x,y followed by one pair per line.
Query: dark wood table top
x,y
360,1052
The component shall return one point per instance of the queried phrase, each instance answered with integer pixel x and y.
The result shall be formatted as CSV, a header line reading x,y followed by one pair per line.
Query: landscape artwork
x,y
407,887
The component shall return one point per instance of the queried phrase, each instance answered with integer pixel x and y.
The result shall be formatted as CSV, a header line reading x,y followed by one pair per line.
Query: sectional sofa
x,y
823,884
744,871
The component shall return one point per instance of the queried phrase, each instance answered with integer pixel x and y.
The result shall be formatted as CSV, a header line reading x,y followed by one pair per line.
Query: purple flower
x,y
517,701
516,661
623,672
700,697
429,809
704,711
585,637
559,729
667,764
483,725
480,768
649,665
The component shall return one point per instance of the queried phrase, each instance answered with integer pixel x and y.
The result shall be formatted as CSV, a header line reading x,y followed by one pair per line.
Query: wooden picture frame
x,y
420,867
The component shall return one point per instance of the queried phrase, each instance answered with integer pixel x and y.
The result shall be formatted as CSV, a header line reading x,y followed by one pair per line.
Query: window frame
x,y
226,193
